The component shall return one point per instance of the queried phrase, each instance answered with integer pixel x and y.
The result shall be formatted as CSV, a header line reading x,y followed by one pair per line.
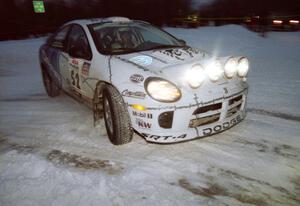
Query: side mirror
x,y
182,42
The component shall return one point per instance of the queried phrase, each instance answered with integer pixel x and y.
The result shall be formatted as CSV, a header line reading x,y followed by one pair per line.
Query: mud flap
x,y
97,104
97,110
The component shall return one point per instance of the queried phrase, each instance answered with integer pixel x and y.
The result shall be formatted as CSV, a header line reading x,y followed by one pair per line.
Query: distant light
x,y
38,6
294,22
277,22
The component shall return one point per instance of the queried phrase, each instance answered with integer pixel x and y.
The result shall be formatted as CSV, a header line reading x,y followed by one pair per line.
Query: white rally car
x,y
144,80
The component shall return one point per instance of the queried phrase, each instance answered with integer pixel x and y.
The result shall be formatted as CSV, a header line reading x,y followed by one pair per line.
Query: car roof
x,y
84,22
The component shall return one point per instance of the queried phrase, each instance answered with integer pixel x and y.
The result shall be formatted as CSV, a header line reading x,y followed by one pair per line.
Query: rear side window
x,y
59,39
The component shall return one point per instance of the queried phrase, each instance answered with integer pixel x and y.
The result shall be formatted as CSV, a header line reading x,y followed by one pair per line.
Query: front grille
x,y
236,99
211,107
213,112
234,105
233,110
204,120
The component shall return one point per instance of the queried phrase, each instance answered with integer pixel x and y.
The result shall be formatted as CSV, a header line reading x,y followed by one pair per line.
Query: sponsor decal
x,y
142,114
85,69
142,124
191,51
138,95
136,78
137,65
223,126
141,60
74,62
179,53
157,137
175,53
154,57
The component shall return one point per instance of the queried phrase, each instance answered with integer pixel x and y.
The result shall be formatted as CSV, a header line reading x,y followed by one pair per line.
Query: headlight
x,y
243,67
195,76
214,70
230,67
162,90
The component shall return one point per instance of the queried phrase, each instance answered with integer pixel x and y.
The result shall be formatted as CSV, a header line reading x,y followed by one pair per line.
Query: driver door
x,y
79,61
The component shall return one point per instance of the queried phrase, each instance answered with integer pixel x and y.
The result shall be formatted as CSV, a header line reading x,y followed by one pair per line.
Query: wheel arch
x,y
100,85
55,78
44,67
98,100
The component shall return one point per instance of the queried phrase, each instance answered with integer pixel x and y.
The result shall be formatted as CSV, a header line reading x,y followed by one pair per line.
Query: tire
x,y
51,88
117,120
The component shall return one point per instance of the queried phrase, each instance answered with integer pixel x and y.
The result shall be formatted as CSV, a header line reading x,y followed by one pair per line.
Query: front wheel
x,y
117,121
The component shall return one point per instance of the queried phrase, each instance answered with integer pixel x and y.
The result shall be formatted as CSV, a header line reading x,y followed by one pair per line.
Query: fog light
x,y
195,76
139,107
230,67
165,119
243,67
214,70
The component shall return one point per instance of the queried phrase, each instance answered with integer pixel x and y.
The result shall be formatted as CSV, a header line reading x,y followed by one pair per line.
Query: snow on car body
x,y
143,78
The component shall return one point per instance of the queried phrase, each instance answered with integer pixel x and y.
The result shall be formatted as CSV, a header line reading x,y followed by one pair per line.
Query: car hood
x,y
165,61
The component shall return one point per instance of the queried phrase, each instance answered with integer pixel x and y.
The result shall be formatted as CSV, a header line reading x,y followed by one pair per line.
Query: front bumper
x,y
175,124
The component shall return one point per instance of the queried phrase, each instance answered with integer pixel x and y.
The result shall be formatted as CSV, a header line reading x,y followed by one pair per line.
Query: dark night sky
x,y
17,16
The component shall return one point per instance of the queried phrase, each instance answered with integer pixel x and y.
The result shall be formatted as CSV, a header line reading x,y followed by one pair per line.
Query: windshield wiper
x,y
164,46
124,50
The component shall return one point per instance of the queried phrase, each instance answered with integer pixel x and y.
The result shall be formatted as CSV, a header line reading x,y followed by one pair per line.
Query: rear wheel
x,y
117,120
51,88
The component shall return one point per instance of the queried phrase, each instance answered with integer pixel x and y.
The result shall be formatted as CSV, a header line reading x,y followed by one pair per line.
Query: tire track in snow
x,y
32,97
283,150
217,182
214,189
274,114
62,158
72,160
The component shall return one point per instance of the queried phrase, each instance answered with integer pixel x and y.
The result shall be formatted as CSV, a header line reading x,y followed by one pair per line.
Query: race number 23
x,y
75,79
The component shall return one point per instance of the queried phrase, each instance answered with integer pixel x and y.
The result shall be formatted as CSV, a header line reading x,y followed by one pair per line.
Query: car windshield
x,y
120,38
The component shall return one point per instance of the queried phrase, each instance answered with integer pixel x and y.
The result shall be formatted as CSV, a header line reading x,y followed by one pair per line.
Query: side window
x,y
78,45
59,39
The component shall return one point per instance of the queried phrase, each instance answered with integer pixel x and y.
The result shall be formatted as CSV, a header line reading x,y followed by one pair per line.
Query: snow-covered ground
x,y
50,153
